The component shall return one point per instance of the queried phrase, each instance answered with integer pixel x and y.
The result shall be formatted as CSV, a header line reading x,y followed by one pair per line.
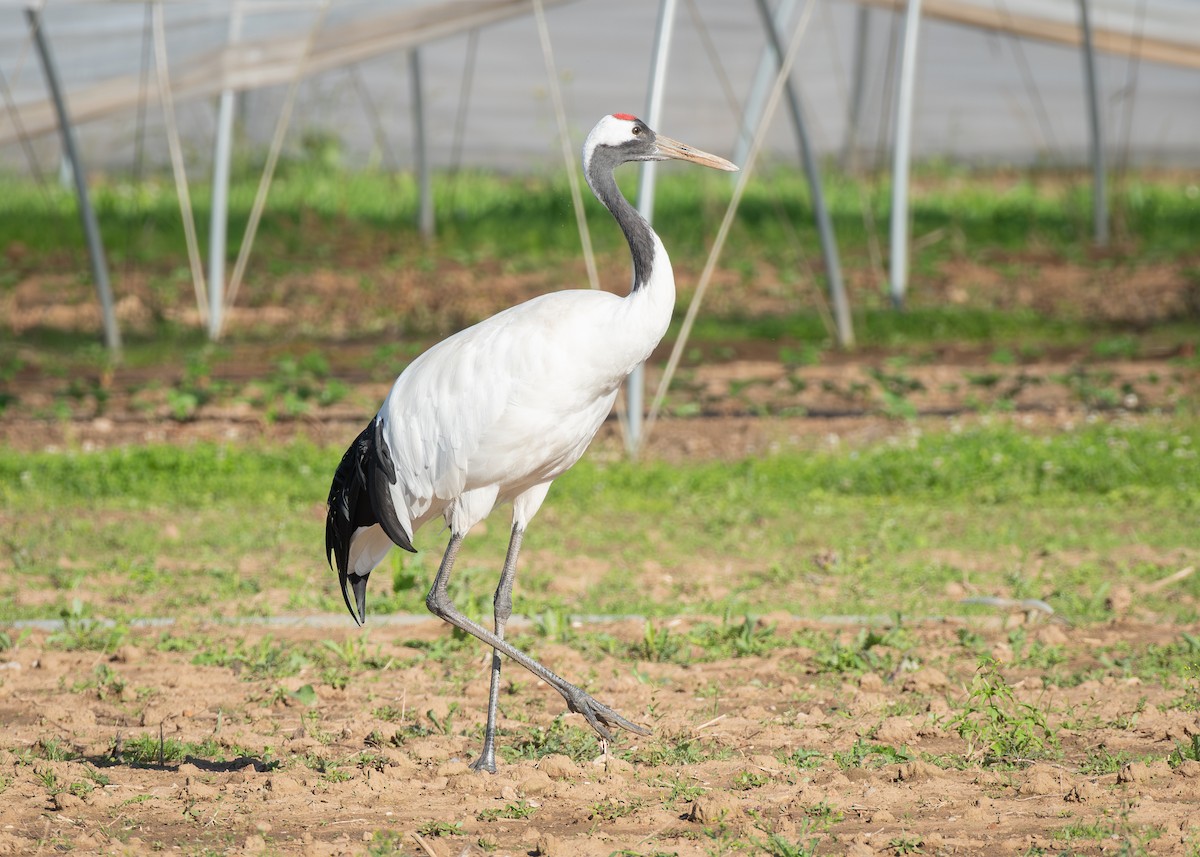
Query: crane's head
x,y
621,137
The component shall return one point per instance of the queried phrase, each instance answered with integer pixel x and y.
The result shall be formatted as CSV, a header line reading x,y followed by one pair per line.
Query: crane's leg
x,y
502,605
599,716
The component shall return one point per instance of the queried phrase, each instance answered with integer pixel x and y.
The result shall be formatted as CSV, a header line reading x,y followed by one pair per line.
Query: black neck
x,y
637,231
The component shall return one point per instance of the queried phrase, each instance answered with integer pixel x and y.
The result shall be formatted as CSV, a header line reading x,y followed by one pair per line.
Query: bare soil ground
x,y
742,750
759,754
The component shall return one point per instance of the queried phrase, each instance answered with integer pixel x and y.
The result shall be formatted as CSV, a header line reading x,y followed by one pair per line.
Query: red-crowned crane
x,y
496,412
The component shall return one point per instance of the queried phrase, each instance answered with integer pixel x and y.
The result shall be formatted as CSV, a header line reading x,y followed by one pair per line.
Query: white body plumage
x,y
497,411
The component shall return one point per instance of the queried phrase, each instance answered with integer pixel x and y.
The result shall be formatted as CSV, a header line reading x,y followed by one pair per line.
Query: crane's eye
x,y
637,130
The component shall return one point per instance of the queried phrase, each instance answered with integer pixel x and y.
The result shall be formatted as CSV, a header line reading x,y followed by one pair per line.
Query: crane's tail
x,y
359,498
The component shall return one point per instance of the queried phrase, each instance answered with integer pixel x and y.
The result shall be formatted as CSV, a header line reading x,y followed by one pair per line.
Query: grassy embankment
x,y
897,529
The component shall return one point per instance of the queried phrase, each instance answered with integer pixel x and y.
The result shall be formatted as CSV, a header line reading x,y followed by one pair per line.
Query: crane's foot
x,y
485,764
598,715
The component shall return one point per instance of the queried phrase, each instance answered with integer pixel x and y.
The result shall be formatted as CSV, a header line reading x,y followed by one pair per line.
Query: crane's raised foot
x,y
598,715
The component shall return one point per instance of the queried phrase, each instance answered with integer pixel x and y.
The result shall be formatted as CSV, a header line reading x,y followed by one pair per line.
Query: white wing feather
x,y
506,404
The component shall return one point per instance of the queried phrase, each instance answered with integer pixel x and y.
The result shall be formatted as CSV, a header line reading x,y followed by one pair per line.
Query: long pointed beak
x,y
669,148
359,586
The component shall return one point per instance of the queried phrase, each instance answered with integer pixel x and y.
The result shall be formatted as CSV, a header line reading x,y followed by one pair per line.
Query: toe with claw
x,y
598,715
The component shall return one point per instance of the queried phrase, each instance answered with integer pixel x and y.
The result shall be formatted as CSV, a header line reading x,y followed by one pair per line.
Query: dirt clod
x,y
1082,792
1042,780
548,845
558,767
1140,772
714,808
536,783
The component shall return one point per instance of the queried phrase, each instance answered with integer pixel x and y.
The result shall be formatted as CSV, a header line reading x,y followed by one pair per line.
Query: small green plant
x,y
867,755
862,656
1092,387
776,845
676,750
305,695
906,845
390,713
54,750
804,759
1117,348
329,769
1185,752
97,777
996,725
105,680
731,639
746,780
658,644
351,654
535,742
440,828
517,809
1130,839
253,662
1100,760
296,384
611,810
49,780
311,721
7,643
681,790
1034,653
195,387
895,387
386,843
445,725
554,625
80,633
824,812
368,761
136,799
447,647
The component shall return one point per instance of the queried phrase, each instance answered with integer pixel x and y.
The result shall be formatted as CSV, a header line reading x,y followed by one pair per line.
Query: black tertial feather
x,y
359,496
381,476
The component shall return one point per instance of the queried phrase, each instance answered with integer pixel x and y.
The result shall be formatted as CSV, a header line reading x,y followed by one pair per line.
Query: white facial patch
x,y
612,130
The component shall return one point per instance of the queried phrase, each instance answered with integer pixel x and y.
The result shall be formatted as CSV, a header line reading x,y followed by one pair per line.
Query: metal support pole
x,y
862,38
635,383
900,162
91,230
425,224
764,78
1099,193
829,249
219,219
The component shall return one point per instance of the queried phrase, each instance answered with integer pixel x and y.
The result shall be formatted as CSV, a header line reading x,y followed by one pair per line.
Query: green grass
x,y
191,532
524,219
876,327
